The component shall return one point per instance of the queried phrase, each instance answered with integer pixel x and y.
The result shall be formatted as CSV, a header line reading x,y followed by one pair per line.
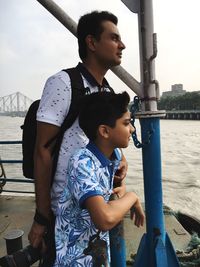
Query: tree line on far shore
x,y
188,101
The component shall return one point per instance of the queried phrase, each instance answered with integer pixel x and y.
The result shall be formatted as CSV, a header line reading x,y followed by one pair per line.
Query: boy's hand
x,y
120,190
122,171
137,212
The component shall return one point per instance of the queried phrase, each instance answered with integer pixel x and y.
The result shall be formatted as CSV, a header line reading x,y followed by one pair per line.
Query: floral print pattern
x,y
90,174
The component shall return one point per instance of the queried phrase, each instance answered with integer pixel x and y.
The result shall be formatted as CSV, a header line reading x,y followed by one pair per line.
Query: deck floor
x,y
16,212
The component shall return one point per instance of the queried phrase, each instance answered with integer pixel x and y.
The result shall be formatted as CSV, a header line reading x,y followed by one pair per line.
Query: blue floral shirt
x,y
78,241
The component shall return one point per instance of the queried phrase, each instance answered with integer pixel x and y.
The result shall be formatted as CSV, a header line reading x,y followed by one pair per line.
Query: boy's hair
x,y
91,24
101,108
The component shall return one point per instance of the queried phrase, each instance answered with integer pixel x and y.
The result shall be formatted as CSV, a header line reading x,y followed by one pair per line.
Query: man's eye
x,y
115,38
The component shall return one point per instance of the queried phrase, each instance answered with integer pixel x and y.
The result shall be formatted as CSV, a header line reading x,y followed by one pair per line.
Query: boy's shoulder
x,y
83,161
83,154
80,153
86,156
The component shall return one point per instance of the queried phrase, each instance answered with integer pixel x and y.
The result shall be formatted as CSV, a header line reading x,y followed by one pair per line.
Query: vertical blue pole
x,y
155,249
152,183
118,246
117,243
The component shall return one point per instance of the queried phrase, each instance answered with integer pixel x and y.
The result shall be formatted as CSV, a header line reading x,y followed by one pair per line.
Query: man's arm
x,y
105,215
42,172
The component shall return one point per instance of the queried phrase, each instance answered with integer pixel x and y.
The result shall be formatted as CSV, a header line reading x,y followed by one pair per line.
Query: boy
x,y
85,214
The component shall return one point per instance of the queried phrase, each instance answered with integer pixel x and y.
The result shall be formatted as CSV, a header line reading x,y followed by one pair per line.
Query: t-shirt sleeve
x,y
83,182
55,100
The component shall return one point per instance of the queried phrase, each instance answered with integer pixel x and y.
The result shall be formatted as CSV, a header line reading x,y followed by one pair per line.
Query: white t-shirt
x,y
53,109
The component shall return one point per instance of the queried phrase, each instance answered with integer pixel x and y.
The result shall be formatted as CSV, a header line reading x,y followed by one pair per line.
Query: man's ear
x,y
90,41
103,131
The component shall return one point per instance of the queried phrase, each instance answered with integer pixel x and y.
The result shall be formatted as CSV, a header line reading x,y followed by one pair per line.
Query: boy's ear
x,y
104,131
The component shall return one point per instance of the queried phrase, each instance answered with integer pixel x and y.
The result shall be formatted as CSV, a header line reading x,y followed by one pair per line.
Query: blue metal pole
x,y
118,246
155,249
152,178
152,183
117,243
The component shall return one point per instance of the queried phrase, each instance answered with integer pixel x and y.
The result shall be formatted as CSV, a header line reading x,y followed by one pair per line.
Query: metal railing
x,y
8,172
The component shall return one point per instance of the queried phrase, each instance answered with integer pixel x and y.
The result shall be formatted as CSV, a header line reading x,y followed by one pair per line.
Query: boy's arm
x,y
105,215
137,213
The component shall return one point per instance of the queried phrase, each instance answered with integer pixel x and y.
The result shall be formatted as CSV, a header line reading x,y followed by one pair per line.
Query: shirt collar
x,y
100,156
90,78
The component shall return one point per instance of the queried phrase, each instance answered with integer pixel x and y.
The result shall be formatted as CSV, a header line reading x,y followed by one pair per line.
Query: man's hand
x,y
137,213
121,172
36,236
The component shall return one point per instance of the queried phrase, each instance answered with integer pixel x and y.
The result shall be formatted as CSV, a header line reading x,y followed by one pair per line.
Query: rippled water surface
x,y
180,151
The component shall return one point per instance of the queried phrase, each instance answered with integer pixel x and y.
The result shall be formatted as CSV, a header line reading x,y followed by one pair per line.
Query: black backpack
x,y
30,125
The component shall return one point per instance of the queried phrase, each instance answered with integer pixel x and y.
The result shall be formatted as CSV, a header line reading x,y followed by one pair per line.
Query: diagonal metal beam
x,y
133,5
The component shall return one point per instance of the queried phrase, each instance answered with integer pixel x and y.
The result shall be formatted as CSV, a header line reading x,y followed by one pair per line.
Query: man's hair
x,y
101,108
91,24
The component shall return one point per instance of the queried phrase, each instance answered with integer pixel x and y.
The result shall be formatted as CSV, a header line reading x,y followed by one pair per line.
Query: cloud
x,y
34,45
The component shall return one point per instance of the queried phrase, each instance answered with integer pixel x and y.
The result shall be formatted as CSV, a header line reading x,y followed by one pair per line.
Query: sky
x,y
34,45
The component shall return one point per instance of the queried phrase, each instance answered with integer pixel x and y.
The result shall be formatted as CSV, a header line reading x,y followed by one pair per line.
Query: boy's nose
x,y
132,129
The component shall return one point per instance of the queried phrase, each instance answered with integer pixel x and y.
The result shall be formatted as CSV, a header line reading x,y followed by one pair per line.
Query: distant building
x,y
176,90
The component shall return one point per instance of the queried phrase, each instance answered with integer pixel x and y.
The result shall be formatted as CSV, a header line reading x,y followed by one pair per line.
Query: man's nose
x,y
122,45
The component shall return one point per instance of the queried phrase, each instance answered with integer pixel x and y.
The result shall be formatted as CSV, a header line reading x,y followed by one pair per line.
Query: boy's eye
x,y
127,123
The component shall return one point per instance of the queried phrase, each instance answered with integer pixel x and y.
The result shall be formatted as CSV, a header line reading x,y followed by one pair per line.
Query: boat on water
x,y
168,239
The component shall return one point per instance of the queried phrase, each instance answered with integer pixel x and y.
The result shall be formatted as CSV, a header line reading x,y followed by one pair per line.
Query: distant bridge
x,y
15,104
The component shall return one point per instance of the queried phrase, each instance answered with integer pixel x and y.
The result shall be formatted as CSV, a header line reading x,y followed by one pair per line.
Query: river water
x,y
180,152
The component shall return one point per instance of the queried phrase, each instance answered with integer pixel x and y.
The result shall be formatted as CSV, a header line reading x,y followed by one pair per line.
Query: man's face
x,y
108,49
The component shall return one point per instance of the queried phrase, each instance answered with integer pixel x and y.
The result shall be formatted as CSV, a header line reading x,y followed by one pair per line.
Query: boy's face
x,y
120,135
108,49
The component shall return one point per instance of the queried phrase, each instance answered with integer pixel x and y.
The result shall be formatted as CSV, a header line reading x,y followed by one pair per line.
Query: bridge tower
x,y
16,102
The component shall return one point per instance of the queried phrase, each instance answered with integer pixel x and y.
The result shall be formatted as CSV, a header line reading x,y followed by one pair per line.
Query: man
x,y
100,48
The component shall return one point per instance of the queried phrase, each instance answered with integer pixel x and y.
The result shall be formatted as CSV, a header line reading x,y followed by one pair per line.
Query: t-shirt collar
x,y
99,155
90,78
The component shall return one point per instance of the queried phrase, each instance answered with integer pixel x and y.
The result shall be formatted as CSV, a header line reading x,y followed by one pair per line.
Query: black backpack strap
x,y
111,89
77,92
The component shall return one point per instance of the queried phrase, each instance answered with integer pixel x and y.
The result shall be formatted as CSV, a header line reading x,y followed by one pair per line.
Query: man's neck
x,y
97,71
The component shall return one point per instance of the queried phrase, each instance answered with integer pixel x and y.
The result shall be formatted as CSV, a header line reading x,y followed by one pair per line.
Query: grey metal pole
x,y
148,51
71,25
